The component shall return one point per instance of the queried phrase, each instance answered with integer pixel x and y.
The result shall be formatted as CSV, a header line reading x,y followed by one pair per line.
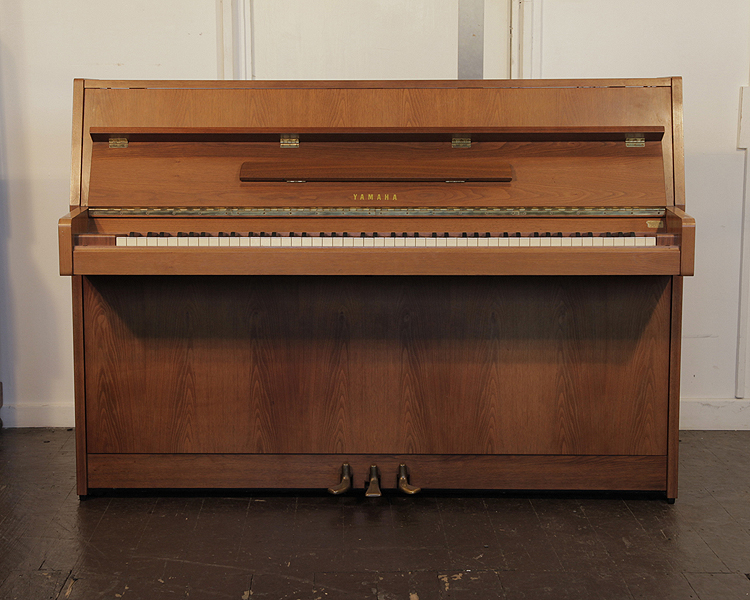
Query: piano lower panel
x,y
108,260
431,471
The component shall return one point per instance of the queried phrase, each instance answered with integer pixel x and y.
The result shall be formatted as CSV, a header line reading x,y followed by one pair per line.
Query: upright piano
x,y
373,285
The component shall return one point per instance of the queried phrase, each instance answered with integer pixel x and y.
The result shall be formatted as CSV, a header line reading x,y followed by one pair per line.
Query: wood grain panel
x,y
477,472
392,365
544,173
79,383
390,107
675,368
109,260
370,162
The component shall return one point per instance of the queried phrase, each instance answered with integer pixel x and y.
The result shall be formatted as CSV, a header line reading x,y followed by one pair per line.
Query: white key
x,y
234,242
121,241
183,241
172,241
204,242
608,241
650,241
244,242
224,242
141,241
162,242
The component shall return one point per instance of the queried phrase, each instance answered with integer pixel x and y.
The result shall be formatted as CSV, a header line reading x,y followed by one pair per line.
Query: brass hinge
x,y
636,140
118,142
289,140
461,142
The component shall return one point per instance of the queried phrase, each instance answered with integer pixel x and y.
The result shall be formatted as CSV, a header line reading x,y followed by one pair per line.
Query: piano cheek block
x,y
454,285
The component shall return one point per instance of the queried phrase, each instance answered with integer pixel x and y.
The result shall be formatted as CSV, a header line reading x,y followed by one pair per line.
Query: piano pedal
x,y
403,481
373,487
346,481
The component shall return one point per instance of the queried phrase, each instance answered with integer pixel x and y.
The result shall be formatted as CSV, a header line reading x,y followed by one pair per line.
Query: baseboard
x,y
59,414
695,413
715,413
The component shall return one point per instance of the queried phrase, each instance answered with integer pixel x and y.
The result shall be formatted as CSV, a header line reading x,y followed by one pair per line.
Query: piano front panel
x,y
564,173
260,107
384,365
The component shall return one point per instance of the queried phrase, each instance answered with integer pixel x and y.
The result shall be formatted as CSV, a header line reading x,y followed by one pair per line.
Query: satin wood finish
x,y
216,364
533,368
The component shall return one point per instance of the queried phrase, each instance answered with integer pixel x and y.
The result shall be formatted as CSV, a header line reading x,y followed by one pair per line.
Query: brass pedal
x,y
346,481
403,481
373,489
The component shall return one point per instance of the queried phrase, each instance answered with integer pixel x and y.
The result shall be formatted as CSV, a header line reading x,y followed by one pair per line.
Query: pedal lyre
x,y
403,481
373,488
346,481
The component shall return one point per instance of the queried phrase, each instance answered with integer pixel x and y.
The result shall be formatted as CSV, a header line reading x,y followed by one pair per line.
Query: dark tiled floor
x,y
216,546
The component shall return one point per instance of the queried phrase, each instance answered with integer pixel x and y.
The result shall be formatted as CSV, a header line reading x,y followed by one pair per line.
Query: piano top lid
x,y
378,84
595,115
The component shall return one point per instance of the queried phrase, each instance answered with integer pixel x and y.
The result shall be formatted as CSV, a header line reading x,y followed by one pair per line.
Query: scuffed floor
x,y
249,546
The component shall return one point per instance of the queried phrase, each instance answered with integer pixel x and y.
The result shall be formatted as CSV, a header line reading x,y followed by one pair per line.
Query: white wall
x,y
709,46
42,50
44,44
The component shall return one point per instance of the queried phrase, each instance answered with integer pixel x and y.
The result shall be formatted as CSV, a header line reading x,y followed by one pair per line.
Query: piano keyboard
x,y
384,240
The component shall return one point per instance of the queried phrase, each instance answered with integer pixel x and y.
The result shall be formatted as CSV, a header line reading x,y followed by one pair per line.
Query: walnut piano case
x,y
467,285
